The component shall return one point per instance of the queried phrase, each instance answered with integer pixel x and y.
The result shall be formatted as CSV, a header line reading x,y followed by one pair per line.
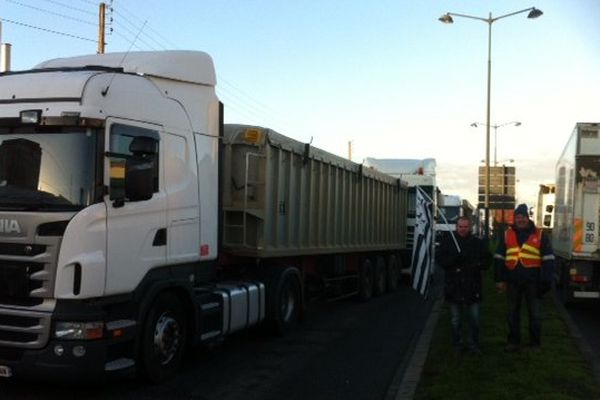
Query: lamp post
x,y
447,19
477,124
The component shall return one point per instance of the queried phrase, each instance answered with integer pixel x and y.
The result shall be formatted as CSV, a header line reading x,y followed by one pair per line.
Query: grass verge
x,y
558,371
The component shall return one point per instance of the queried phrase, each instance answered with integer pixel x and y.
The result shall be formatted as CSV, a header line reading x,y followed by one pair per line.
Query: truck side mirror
x,y
140,169
547,220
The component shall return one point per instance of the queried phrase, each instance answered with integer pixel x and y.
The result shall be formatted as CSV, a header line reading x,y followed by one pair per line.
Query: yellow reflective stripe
x,y
530,256
530,248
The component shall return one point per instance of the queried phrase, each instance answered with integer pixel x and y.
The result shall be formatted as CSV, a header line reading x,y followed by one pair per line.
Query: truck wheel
x,y
563,291
285,301
164,338
380,276
365,280
393,273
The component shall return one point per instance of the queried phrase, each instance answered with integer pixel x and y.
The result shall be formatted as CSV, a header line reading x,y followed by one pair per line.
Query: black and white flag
x,y
422,259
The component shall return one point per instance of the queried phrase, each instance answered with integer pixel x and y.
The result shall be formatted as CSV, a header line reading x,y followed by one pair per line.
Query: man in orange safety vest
x,y
524,268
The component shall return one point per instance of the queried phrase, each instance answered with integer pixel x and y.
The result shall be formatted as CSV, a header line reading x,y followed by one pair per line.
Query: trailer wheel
x,y
285,300
393,273
164,338
365,280
380,276
563,290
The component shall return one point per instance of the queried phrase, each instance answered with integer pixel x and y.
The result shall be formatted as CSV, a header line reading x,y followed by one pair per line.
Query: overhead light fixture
x,y
447,18
535,13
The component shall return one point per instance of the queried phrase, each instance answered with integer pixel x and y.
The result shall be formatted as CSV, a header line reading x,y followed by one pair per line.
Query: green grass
x,y
559,371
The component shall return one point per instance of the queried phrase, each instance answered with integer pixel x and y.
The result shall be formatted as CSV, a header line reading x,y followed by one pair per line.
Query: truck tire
x,y
365,280
562,289
285,300
380,279
393,273
164,338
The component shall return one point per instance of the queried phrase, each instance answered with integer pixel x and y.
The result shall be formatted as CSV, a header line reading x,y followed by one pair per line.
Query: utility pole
x,y
350,150
101,27
4,53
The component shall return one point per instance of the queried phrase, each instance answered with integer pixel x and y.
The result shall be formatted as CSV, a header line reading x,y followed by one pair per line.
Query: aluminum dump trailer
x,y
285,198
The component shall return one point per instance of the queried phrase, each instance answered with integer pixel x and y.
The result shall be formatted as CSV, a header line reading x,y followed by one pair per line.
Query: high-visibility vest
x,y
528,254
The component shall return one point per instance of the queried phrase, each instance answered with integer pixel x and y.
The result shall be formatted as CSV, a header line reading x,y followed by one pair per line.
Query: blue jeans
x,y
456,311
516,291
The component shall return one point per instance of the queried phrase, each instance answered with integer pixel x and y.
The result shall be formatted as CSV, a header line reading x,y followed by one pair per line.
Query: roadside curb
x,y
582,344
408,386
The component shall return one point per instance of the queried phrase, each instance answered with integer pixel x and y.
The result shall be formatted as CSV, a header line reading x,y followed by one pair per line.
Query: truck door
x,y
136,230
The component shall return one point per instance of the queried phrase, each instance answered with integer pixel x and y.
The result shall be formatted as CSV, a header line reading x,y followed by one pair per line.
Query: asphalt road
x,y
344,350
585,317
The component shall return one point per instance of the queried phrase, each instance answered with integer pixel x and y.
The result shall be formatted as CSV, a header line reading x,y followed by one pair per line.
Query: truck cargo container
x,y
134,223
576,215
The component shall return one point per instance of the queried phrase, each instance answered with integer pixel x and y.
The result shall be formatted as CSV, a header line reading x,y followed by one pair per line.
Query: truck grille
x,y
24,329
19,279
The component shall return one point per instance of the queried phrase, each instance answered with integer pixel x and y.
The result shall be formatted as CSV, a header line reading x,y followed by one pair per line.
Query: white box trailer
x,y
133,223
576,214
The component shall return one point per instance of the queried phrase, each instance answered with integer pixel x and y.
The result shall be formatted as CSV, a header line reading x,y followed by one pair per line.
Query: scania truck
x,y
134,223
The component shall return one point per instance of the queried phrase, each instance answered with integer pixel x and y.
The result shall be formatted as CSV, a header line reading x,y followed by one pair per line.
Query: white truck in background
x,y
575,236
451,208
415,172
134,223
544,209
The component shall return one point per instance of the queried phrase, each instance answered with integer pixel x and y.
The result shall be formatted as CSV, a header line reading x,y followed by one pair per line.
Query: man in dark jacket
x,y
524,267
463,256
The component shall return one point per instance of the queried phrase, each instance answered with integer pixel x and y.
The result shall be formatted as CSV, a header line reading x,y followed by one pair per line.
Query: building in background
x,y
502,194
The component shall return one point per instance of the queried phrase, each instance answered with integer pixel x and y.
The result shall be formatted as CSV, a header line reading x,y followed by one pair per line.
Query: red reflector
x,y
117,333
580,278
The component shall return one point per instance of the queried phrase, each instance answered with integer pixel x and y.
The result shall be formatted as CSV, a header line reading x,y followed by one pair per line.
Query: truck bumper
x,y
59,360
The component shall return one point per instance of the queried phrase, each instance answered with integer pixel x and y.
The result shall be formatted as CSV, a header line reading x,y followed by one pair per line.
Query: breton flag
x,y
422,259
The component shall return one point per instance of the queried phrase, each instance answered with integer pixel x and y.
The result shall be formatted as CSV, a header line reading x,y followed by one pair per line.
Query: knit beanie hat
x,y
522,209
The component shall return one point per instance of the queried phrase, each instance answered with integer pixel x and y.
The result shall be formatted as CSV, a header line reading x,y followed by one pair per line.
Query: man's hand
x,y
500,287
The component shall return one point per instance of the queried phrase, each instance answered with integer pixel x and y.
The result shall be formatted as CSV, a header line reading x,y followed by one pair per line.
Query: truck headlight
x,y
79,330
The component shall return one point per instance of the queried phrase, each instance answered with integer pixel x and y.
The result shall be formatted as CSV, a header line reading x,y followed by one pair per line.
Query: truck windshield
x,y
47,170
451,214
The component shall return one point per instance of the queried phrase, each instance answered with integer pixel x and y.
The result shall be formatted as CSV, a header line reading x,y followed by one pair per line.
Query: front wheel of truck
x,y
164,338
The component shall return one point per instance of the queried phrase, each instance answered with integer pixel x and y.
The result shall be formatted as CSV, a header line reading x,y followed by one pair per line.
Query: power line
x,y
134,34
167,41
47,30
71,7
51,12
90,2
136,27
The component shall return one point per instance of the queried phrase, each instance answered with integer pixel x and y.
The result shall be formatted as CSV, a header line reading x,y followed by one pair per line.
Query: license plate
x,y
5,371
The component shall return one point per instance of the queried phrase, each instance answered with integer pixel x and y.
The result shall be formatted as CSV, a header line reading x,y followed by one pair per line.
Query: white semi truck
x,y
415,172
134,223
544,210
576,215
452,208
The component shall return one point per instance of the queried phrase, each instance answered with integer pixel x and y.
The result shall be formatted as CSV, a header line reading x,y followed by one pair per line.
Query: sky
x,y
385,75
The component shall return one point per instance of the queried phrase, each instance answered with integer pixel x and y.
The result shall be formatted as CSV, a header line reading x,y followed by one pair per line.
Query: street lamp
x,y
477,124
447,19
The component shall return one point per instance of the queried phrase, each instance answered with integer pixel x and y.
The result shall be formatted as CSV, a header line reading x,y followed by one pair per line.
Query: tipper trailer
x,y
577,215
134,223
